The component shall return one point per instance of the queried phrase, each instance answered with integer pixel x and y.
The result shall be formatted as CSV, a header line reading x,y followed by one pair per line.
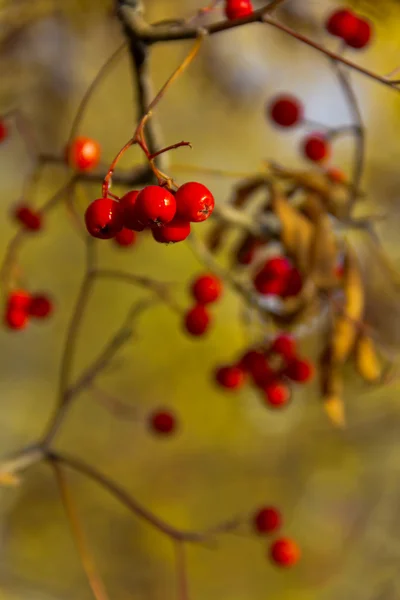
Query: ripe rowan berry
x,y
40,306
361,37
251,359
128,203
238,9
155,205
230,377
194,202
163,422
125,237
299,370
267,519
197,320
3,131
19,299
261,372
316,147
83,154
104,218
285,345
28,218
286,110
293,283
342,23
176,230
16,318
277,266
276,394
267,285
206,289
285,552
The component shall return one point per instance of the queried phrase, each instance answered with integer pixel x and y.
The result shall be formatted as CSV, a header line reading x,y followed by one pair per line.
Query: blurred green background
x,y
339,491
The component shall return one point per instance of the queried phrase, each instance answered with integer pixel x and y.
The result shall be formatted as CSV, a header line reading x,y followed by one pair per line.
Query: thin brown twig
x,y
181,571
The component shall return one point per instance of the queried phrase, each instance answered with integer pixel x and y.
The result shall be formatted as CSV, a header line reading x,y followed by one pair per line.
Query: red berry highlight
x,y
128,204
176,230
126,237
194,202
40,307
155,205
19,299
83,154
276,394
285,552
162,422
286,110
342,23
361,37
284,345
104,218
197,320
16,318
299,370
230,377
316,147
267,520
30,219
206,289
238,9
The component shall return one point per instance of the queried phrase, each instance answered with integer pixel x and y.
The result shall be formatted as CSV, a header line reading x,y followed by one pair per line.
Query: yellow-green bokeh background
x,y
339,491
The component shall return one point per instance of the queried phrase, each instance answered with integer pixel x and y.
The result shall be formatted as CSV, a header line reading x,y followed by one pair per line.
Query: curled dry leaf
x,y
323,249
367,361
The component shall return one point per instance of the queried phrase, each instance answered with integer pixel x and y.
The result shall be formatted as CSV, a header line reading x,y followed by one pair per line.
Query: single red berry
x,y
28,218
238,9
285,552
194,202
162,422
299,370
128,203
125,237
206,289
267,285
342,23
83,154
250,359
267,519
40,306
361,37
197,320
278,266
286,110
316,147
176,230
276,394
104,218
293,283
16,318
3,131
261,372
285,345
155,205
19,299
230,377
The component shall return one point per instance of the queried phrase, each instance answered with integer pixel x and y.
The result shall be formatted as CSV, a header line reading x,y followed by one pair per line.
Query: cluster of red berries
x,y
283,551
355,31
238,9
21,306
205,290
162,422
28,217
278,277
270,370
167,214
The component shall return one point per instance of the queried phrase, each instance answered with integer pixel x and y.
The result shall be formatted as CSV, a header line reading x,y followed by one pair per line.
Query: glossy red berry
x,y
83,154
267,285
299,370
361,37
128,203
29,218
19,299
197,320
342,23
293,283
251,359
16,318
176,230
230,377
286,110
285,345
276,394
3,131
278,266
238,9
267,519
126,237
316,147
194,202
260,371
155,205
40,307
206,289
285,552
104,218
162,422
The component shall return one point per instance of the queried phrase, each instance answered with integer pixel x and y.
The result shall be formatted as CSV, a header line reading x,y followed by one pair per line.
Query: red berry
x,y
3,131
194,202
293,283
299,370
197,320
162,422
155,205
128,203
260,371
104,218
277,266
361,37
16,318
277,394
207,289
125,237
19,299
250,360
176,230
342,23
230,377
40,307
83,153
286,110
237,9
285,345
266,285
28,218
316,147
267,519
285,552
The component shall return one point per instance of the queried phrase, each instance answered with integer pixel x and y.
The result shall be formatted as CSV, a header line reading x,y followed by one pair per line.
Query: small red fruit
x,y
316,147
28,218
342,23
16,318
285,552
251,359
299,370
104,218
162,422
206,289
3,131
230,377
83,153
125,237
40,307
19,299
194,202
128,203
278,266
267,519
176,230
285,345
361,37
155,205
238,9
286,110
267,285
261,372
197,320
277,394
293,283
